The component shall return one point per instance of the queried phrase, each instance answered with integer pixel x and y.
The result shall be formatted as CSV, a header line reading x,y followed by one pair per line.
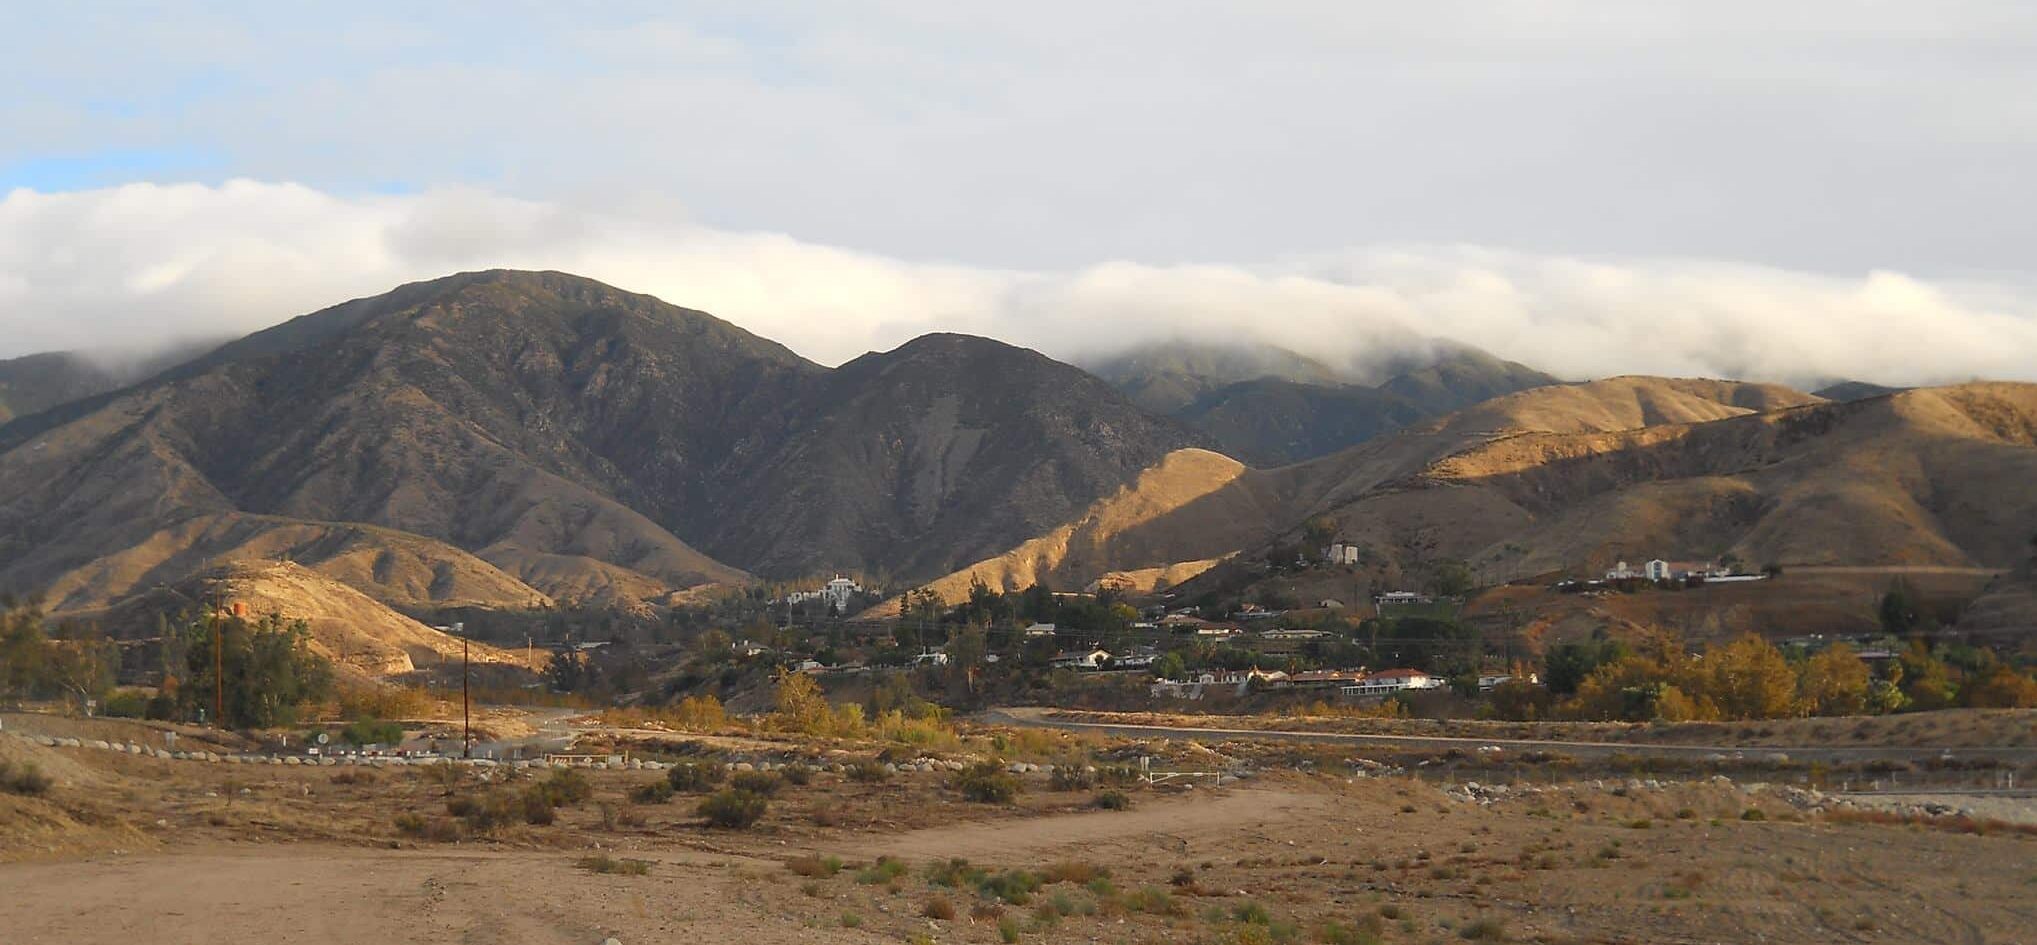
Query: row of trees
x,y
1749,678
260,672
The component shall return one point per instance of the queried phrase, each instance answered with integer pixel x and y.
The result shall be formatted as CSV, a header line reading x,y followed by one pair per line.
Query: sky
x,y
1796,192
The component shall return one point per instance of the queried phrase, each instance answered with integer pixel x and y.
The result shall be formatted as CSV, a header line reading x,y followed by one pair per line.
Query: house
x,y
1141,658
1487,682
1341,552
1182,623
1080,659
749,648
1389,681
1326,678
930,657
1658,569
1330,603
1217,630
1040,630
836,594
1293,633
1391,598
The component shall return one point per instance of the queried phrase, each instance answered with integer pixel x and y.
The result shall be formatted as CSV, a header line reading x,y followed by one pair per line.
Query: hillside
x,y
500,438
1166,377
1761,473
360,635
1268,406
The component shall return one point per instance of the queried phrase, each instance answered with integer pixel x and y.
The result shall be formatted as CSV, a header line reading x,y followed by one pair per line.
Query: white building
x,y
838,593
1341,552
1081,659
1389,681
1040,630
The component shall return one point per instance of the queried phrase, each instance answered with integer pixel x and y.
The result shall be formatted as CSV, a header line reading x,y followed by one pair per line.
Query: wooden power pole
x,y
466,710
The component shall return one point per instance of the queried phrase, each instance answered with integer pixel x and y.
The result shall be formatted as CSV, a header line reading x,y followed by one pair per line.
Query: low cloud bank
x,y
143,265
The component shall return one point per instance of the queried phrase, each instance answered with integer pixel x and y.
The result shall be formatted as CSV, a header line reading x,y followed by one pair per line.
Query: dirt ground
x,y
164,851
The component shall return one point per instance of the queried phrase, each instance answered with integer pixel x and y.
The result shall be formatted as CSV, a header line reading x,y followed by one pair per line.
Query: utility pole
x,y
218,671
466,711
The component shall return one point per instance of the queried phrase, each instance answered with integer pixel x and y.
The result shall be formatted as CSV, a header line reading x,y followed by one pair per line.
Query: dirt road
x,y
1177,825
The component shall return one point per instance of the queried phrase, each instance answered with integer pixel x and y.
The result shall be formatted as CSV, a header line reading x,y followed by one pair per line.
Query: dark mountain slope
x,y
918,460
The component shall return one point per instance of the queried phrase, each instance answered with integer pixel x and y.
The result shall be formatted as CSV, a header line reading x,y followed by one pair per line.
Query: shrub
x,y
1113,800
603,863
537,807
370,732
1071,777
565,787
125,704
354,776
814,865
410,822
883,871
986,782
1753,813
733,809
939,908
1153,900
1007,929
1483,930
953,873
435,829
851,920
1012,886
796,774
757,782
1252,913
26,780
652,792
1073,872
488,811
868,771
695,775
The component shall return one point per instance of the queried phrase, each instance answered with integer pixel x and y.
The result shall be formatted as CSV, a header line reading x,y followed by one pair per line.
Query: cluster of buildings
x,y
1658,569
1348,683
837,593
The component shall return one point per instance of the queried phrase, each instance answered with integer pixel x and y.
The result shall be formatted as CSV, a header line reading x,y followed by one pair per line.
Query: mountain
x,y
1855,390
1166,377
1273,422
509,438
917,460
37,382
1575,477
1458,376
1269,406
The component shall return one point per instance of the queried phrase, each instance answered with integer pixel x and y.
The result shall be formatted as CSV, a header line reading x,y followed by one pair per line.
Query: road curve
x,y
1035,717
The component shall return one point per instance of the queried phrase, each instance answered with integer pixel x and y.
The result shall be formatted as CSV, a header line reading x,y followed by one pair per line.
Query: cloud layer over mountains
x,y
140,265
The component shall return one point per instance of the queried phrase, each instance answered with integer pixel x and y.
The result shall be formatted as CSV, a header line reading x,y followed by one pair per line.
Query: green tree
x,y
1451,579
1170,666
1566,665
1899,610
266,670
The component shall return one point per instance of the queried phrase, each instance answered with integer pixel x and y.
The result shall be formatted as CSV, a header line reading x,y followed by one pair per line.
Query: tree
x,y
1451,579
1566,665
1926,680
1899,610
1170,666
1750,679
2000,688
266,669
1834,682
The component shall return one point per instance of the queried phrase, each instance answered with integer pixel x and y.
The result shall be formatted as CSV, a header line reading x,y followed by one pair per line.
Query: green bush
x,y
757,782
695,775
796,774
883,871
1071,777
651,792
125,704
733,809
986,782
538,806
372,732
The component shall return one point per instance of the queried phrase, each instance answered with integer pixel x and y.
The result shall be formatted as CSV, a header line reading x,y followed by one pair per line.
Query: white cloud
x,y
143,264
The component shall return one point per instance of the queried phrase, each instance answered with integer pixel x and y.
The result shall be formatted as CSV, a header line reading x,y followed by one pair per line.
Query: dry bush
x,y
651,792
762,783
695,775
25,779
868,771
939,908
814,865
1070,871
733,809
603,863
986,782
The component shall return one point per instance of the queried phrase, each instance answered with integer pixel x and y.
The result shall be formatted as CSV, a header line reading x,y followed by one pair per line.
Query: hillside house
x,y
1141,658
1038,630
930,657
1387,682
1330,603
1402,598
1216,631
1293,633
1326,678
1658,569
1341,552
1080,659
1489,681
837,594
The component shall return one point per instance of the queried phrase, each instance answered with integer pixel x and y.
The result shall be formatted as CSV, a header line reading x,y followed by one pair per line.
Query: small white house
x,y
1489,681
930,658
1080,659
1040,630
1293,633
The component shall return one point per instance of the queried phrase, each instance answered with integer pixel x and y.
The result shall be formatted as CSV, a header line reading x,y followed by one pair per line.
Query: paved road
x,y
1041,718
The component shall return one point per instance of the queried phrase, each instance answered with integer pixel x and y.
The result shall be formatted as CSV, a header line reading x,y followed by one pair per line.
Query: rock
x,y
746,766
611,941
